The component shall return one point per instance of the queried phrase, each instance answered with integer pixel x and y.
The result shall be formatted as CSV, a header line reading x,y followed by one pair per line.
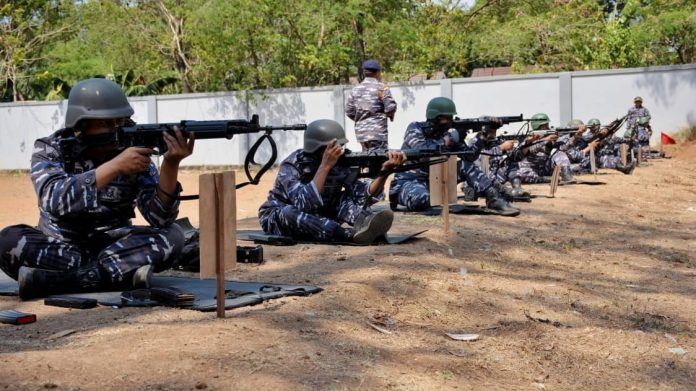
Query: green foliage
x,y
173,46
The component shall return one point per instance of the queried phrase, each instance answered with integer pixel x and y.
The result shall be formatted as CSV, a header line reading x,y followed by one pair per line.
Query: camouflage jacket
x,y
295,186
70,206
634,114
368,105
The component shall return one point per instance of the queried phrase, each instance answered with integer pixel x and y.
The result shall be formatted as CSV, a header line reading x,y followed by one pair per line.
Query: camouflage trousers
x,y
609,161
288,220
415,194
374,145
118,252
536,173
644,141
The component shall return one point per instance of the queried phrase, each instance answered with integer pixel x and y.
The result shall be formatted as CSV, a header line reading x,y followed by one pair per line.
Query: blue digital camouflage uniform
x,y
609,154
643,136
80,225
369,104
540,161
410,188
572,146
296,208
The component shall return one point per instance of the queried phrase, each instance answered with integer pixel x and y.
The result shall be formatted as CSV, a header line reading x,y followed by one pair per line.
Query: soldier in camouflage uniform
x,y
410,188
543,154
638,122
313,198
87,191
370,104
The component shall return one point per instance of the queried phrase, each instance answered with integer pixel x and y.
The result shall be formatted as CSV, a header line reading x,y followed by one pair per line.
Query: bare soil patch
x,y
589,290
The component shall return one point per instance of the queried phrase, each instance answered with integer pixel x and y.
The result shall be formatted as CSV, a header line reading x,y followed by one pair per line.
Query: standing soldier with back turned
x,y
370,104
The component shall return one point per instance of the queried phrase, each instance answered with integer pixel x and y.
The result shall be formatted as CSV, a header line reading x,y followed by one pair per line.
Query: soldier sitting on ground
x,y
314,199
410,188
87,190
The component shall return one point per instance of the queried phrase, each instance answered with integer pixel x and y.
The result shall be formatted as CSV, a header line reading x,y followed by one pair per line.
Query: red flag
x,y
666,139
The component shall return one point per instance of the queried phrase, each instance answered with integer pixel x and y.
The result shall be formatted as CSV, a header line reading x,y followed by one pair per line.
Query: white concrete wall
x,y
670,95
668,92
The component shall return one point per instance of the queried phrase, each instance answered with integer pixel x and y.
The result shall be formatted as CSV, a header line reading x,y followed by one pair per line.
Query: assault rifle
x,y
610,129
369,164
152,136
464,125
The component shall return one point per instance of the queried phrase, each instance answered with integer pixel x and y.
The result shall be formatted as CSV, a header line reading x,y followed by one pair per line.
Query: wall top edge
x,y
481,79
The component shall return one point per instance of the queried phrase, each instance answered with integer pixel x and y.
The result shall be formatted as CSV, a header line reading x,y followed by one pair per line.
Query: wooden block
x,y
593,162
445,195
207,212
639,154
485,162
436,179
211,197
554,180
623,148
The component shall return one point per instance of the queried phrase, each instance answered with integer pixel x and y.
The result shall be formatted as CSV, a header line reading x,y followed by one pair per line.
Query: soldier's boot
x,y
517,190
504,190
567,175
627,169
393,201
35,283
142,278
469,193
496,202
370,226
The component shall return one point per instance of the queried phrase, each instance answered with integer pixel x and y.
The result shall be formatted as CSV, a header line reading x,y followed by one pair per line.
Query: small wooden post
x,y
639,154
485,162
218,229
622,148
554,180
593,163
443,186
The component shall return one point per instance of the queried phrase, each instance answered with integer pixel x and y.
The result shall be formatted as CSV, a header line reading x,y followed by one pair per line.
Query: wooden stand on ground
x,y
485,162
593,163
443,187
218,229
554,180
639,154
624,159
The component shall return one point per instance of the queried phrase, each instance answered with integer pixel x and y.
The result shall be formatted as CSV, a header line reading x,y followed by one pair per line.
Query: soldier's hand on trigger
x,y
331,154
581,130
396,158
551,137
132,160
178,146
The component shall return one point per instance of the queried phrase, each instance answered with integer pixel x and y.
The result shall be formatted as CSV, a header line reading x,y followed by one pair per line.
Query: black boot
x,y
393,201
496,202
567,175
34,283
469,193
370,226
517,191
627,169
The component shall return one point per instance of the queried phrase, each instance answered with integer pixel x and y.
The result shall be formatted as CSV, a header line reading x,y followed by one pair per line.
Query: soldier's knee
x,y
11,236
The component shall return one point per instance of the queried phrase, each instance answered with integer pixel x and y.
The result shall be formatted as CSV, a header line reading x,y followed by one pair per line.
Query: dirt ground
x,y
586,291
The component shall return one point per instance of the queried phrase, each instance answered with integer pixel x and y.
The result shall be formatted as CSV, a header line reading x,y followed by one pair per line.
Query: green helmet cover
x,y
440,106
96,98
638,99
628,133
538,120
593,122
320,133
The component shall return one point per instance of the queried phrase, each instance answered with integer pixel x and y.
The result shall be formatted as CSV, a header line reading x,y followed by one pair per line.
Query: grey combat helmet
x,y
575,123
96,98
538,120
593,122
320,133
440,106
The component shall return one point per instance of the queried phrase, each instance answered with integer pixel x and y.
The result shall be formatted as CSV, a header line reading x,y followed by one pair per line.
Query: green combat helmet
x,y
644,120
98,99
638,99
320,133
575,123
440,106
538,120
593,122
